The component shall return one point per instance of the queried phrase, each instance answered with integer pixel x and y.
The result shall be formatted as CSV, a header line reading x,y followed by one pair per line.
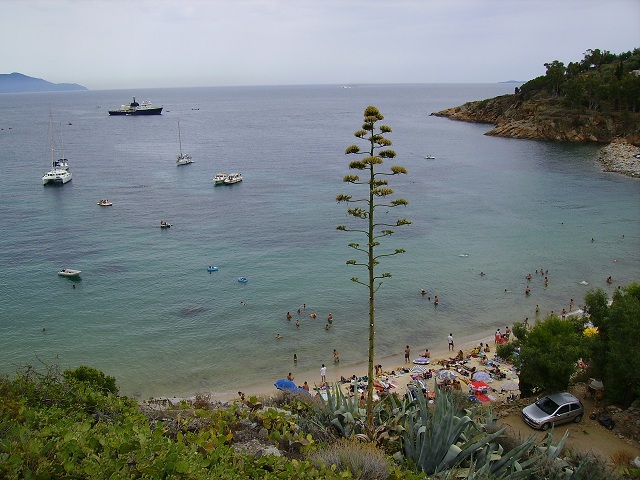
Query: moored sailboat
x,y
59,173
183,158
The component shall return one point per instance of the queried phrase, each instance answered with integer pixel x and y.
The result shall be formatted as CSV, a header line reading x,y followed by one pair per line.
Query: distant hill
x,y
19,83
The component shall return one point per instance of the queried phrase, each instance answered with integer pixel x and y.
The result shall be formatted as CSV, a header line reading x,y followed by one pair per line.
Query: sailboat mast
x,y
51,143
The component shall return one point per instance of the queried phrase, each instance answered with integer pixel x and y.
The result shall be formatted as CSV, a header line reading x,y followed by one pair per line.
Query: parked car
x,y
553,409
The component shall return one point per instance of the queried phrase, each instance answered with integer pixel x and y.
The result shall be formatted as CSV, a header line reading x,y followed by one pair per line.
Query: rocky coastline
x,y
619,157
547,119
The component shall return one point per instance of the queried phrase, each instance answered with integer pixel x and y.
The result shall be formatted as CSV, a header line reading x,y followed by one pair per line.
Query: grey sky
x,y
114,44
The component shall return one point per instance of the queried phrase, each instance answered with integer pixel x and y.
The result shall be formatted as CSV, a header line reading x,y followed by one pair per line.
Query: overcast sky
x,y
115,44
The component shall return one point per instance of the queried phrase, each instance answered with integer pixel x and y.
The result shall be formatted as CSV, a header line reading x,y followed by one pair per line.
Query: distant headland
x,y
18,83
594,100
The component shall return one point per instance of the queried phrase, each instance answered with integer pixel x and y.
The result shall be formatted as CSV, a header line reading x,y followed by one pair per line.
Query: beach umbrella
x,y
480,386
417,369
422,361
596,384
286,385
481,376
509,386
443,375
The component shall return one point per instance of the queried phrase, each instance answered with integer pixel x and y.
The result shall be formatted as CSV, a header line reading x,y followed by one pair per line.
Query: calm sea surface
x,y
148,312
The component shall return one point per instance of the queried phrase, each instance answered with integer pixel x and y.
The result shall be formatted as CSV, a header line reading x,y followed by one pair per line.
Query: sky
x,y
117,44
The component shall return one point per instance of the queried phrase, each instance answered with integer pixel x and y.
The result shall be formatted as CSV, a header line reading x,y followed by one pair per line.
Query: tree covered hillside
x,y
602,81
594,100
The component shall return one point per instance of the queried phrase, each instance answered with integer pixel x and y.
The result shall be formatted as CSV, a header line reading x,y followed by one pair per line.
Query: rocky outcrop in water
x,y
544,118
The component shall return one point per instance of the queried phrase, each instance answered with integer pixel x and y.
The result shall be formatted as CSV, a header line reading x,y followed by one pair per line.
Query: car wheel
x,y
545,427
578,419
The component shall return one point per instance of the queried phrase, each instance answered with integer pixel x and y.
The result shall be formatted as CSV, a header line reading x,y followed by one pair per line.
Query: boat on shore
x,y
183,158
135,108
220,178
67,272
59,173
233,178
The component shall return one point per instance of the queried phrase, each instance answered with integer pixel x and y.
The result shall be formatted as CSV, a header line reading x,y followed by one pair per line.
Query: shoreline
x,y
619,157
336,370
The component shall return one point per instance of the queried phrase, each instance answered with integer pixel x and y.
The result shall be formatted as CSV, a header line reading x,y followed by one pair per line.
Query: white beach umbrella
x,y
422,361
446,375
418,369
509,386
481,376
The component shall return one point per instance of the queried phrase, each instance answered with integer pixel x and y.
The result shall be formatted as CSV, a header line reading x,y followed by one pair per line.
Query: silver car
x,y
553,409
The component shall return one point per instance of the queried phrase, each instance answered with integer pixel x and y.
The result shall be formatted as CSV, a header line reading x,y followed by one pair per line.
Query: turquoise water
x,y
148,312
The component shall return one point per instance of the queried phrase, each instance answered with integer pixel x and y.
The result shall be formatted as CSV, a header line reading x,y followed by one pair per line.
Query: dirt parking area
x,y
586,436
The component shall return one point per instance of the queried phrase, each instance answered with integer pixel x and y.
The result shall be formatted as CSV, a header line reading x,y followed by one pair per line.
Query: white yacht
x,y
233,178
59,173
56,176
220,178
183,158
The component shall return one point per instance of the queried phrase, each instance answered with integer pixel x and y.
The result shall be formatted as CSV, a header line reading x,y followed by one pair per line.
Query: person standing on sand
x,y
290,377
323,374
407,352
450,338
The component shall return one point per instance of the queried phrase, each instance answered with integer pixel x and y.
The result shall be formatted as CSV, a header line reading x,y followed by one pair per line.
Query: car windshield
x,y
547,405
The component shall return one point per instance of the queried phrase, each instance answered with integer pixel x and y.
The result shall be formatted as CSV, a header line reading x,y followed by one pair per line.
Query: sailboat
x,y
183,158
59,173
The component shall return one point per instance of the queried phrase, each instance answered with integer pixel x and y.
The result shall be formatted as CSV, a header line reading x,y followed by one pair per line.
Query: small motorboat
x,y
105,203
430,157
243,279
233,178
212,268
220,178
67,272
164,224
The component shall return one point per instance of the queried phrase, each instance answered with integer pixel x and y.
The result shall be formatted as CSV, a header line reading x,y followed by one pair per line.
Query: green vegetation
x,y
55,426
602,81
614,353
548,354
377,189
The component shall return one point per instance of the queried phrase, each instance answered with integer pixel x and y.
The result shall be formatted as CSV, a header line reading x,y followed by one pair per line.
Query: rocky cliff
x,y
545,118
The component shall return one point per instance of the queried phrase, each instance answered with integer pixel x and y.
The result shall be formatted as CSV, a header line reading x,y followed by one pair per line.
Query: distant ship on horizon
x,y
135,108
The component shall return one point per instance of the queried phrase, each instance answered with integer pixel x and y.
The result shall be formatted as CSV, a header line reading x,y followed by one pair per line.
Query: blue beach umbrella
x,y
286,385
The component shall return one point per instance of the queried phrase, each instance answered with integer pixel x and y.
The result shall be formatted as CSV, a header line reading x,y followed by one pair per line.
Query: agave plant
x,y
440,439
448,445
343,412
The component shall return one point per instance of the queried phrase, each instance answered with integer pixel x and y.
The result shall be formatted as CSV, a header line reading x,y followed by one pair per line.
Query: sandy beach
x,y
395,363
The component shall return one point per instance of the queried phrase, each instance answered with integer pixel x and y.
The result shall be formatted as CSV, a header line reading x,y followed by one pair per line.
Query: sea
x,y
147,311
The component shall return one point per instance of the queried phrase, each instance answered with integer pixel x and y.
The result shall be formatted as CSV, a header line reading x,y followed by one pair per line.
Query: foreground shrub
x,y
363,460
